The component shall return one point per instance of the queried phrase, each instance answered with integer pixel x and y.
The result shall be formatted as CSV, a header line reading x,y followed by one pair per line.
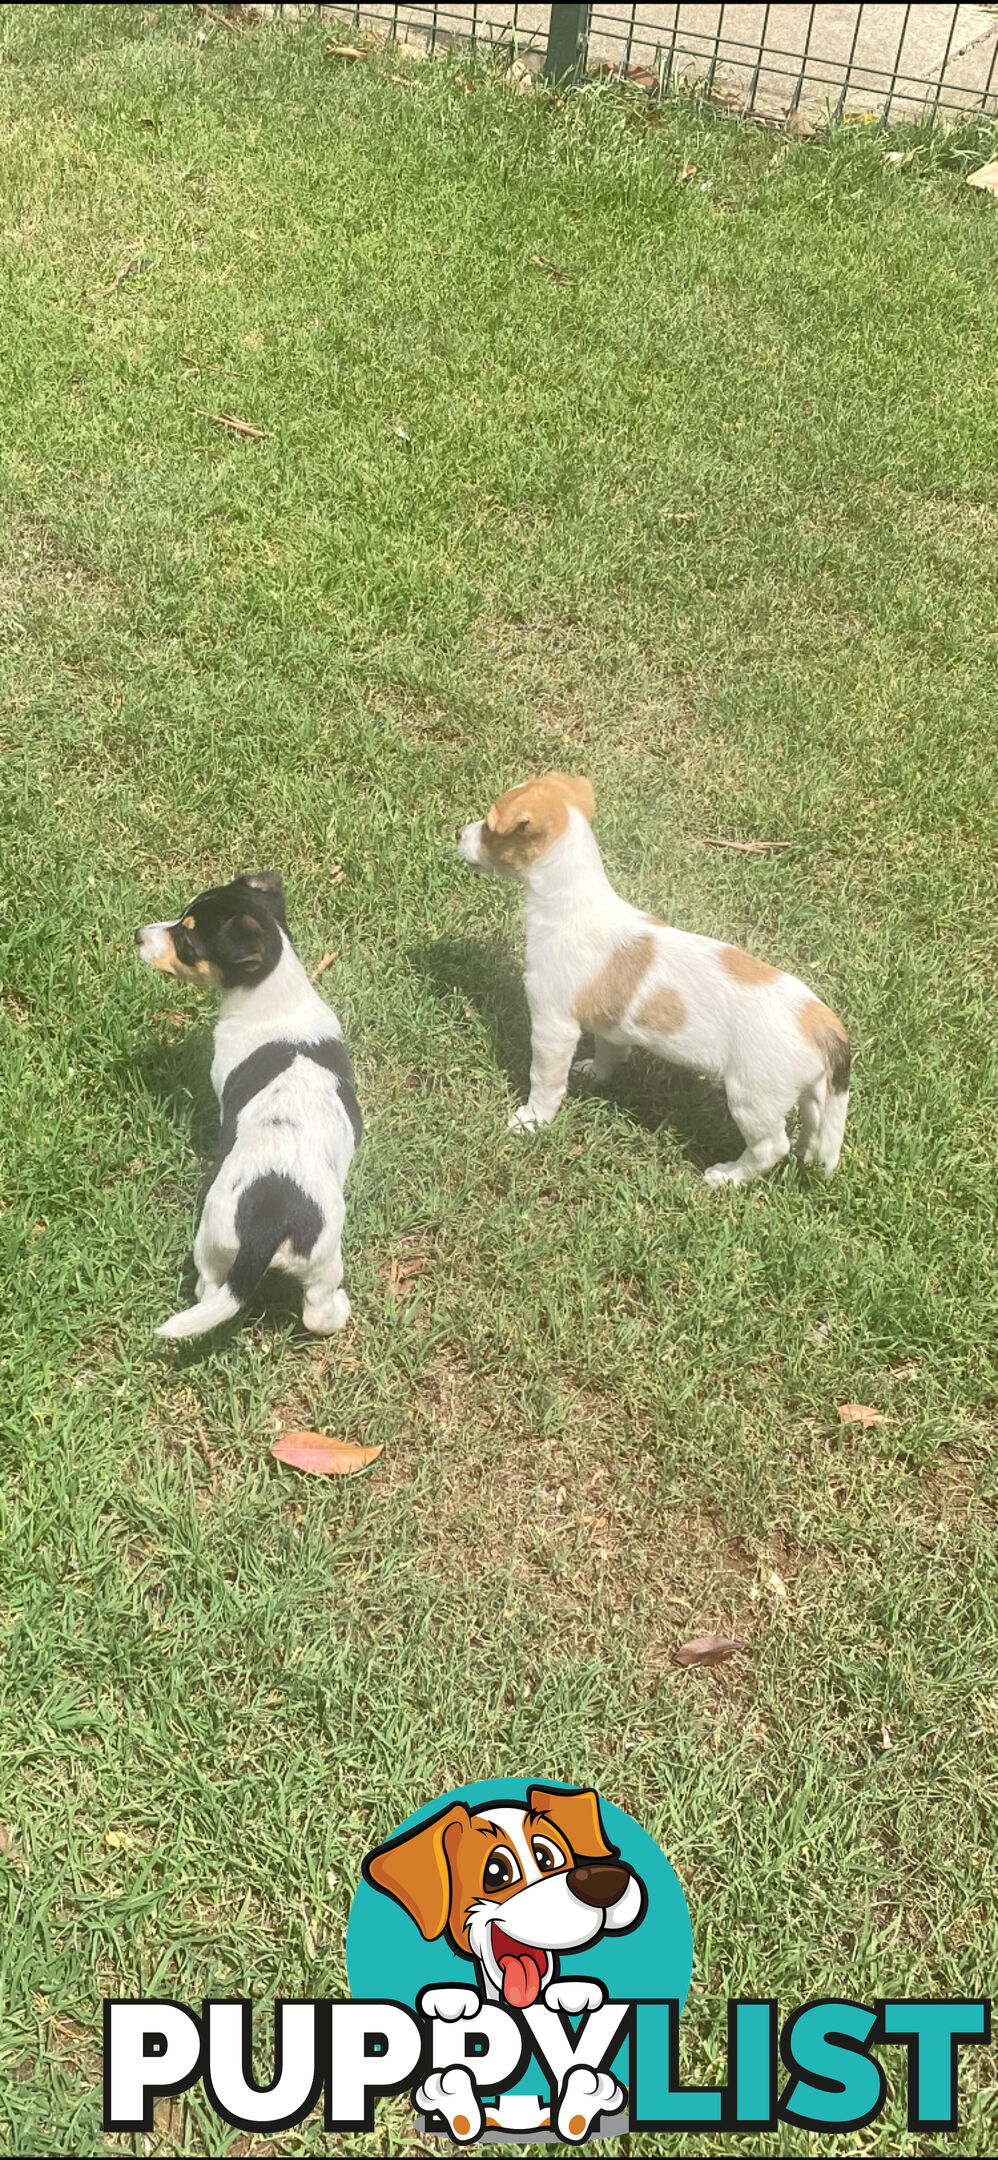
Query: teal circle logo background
x,y
388,1959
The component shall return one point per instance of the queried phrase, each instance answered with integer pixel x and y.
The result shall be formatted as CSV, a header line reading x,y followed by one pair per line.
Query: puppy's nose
x,y
458,830
601,1883
138,937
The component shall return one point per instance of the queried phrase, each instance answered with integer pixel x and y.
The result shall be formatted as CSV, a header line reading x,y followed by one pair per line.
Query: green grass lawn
x,y
714,520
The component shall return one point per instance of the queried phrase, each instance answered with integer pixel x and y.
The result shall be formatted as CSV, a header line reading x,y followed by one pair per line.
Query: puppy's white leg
x,y
585,2095
812,1104
325,1306
451,2093
763,1126
552,1046
604,1061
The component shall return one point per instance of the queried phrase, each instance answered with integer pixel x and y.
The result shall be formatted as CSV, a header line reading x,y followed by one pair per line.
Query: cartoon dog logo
x,y
514,1887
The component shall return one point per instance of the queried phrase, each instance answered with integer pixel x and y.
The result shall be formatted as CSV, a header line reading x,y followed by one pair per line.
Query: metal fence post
x,y
568,42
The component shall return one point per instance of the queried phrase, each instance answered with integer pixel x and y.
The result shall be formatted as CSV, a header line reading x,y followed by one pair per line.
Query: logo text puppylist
x,y
518,1961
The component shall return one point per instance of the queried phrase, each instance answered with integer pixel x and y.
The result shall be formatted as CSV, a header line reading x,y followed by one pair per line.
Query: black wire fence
x,y
917,62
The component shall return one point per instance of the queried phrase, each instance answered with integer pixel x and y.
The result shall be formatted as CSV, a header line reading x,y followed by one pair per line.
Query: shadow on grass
x,y
645,1090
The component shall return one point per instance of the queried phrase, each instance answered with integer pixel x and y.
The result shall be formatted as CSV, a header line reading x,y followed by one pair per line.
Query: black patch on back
x,y
266,1064
332,1053
271,1212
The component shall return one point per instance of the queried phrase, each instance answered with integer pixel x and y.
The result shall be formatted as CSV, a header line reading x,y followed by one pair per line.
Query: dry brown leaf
x,y
687,172
748,847
336,873
643,78
128,269
225,22
229,420
799,125
708,1649
405,1270
321,1454
8,1849
985,177
325,962
561,277
859,1413
345,52
519,76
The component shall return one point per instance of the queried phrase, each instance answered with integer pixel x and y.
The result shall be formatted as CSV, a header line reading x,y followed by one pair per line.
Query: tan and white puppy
x,y
513,1887
596,963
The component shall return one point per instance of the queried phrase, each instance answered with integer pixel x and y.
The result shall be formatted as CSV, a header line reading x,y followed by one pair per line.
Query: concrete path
x,y
942,55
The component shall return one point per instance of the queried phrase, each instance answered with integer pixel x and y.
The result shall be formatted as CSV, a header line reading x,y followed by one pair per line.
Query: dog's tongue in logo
x,y
522,1969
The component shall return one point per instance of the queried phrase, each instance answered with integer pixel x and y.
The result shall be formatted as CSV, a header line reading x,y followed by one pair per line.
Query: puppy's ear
x,y
576,791
577,1816
510,814
243,943
415,1869
271,885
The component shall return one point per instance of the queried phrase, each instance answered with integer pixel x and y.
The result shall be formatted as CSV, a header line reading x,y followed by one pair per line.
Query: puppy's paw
x,y
575,1996
328,1314
585,2095
450,2093
523,1120
585,1069
449,2003
724,1173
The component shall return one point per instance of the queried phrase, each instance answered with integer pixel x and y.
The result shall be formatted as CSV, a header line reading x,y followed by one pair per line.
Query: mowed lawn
x,y
711,515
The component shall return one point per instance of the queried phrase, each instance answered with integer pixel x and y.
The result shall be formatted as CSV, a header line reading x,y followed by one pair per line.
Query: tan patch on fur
x,y
201,971
527,820
189,923
824,1030
658,920
663,1012
743,967
604,1001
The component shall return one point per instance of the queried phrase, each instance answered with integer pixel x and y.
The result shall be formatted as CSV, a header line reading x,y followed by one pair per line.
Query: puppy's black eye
x,y
500,1870
545,1856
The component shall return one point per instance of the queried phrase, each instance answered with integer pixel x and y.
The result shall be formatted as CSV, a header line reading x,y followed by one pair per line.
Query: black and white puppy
x,y
290,1118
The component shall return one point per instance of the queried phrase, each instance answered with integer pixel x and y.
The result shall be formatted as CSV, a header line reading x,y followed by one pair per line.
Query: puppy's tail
x,y
260,1235
212,1312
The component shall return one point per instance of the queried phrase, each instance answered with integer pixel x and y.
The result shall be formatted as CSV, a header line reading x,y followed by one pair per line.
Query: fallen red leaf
x,y
708,1649
321,1454
859,1413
